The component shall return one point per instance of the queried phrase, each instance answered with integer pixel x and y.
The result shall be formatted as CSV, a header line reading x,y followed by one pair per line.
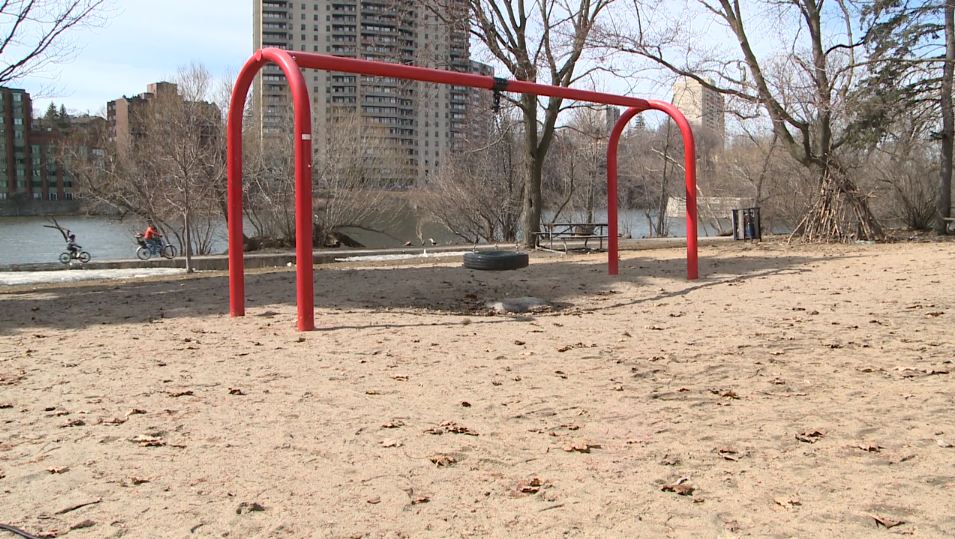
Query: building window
x,y
68,196
17,98
52,196
37,196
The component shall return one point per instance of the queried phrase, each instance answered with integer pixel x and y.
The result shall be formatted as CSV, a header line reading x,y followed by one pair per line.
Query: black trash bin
x,y
746,224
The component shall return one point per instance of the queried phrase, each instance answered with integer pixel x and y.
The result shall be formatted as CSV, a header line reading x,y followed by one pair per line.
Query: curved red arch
x,y
692,261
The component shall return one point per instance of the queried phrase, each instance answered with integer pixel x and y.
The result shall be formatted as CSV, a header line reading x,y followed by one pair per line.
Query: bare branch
x,y
33,33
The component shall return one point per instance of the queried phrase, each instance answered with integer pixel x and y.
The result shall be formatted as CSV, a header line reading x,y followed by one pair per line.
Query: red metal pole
x,y
689,149
612,240
303,184
234,186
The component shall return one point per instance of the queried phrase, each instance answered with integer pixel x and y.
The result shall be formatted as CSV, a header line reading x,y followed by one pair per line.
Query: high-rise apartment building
x,y
703,108
417,124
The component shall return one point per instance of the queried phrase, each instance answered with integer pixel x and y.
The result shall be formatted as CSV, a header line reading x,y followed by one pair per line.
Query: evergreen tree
x,y
912,48
49,117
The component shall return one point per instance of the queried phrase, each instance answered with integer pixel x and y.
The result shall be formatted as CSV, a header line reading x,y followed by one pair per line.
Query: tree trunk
x,y
948,122
185,222
661,225
533,169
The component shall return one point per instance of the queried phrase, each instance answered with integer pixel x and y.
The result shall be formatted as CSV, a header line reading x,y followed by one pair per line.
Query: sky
x,y
145,42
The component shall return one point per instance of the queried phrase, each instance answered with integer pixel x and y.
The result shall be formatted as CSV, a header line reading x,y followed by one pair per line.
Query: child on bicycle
x,y
72,246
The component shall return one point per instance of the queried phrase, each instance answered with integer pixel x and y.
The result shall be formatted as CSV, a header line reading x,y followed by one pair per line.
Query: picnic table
x,y
563,232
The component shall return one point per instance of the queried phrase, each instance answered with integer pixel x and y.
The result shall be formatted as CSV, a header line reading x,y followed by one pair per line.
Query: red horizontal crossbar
x,y
366,67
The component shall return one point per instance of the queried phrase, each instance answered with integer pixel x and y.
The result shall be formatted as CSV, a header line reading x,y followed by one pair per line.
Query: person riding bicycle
x,y
72,246
153,239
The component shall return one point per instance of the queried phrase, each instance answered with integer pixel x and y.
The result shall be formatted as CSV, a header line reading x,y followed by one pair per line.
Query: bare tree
x,y
544,39
912,68
803,85
268,185
34,34
581,163
184,148
902,166
351,178
650,158
170,168
477,195
348,185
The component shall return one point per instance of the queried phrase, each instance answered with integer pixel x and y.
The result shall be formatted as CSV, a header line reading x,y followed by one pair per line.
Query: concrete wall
x,y
36,208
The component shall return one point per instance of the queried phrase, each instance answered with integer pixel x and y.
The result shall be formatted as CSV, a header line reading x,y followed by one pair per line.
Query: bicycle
x,y
69,256
146,251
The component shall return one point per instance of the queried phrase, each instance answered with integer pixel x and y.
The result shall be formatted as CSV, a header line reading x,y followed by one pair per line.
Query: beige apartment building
x,y
702,107
418,124
124,116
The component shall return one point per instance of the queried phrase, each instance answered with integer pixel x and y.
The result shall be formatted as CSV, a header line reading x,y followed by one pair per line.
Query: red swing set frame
x,y
291,63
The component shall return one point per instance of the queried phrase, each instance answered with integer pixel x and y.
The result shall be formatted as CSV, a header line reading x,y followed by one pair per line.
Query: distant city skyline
x,y
144,43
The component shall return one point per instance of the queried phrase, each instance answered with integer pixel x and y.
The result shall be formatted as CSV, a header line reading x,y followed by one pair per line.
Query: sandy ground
x,y
792,391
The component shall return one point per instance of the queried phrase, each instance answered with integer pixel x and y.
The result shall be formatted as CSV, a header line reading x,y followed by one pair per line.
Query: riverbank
x,y
791,391
267,259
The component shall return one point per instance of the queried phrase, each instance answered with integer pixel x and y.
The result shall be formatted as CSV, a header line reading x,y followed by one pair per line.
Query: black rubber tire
x,y
84,257
495,260
168,251
143,253
65,258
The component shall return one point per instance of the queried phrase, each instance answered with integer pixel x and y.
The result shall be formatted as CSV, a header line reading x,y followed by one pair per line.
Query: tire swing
x,y
495,260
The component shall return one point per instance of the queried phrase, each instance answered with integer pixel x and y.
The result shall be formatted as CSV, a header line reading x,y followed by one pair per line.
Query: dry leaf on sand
x,y
683,489
581,446
443,460
248,507
810,436
451,427
886,522
531,486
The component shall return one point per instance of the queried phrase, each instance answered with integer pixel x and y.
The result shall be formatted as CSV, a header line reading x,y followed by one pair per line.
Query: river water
x,y
26,240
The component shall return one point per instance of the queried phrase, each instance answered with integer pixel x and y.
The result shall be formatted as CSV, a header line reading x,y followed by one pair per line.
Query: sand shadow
x,y
442,289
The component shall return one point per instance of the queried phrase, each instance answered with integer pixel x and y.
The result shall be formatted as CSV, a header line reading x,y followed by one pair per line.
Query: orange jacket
x,y
151,233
